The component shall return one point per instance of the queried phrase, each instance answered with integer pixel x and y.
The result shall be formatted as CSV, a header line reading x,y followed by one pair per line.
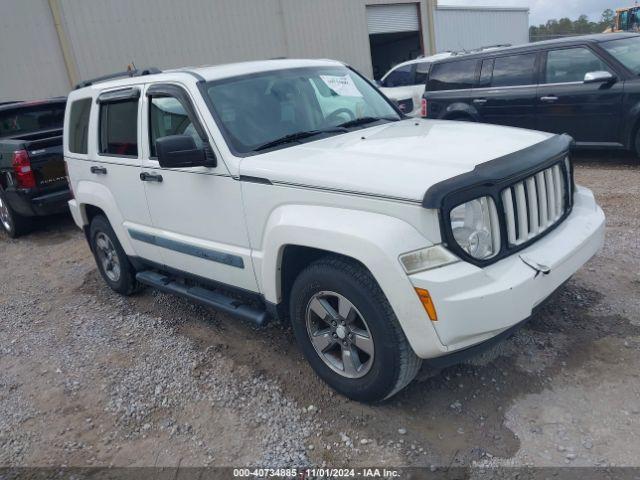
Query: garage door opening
x,y
394,35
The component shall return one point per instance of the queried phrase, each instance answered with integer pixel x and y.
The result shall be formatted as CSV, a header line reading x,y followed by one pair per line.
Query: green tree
x,y
554,28
607,17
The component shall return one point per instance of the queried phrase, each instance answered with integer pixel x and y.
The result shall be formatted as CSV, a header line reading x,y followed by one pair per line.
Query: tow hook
x,y
539,268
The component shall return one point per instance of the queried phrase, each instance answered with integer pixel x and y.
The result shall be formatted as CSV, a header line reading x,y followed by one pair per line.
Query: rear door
x,y
113,165
589,112
507,90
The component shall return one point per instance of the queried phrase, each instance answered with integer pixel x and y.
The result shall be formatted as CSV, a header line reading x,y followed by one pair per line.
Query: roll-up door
x,y
399,17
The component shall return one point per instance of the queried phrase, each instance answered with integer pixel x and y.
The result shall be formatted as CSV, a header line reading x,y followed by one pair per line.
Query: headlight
x,y
476,229
426,259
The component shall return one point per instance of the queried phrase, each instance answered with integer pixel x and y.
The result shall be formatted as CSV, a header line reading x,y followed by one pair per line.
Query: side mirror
x,y
180,151
599,77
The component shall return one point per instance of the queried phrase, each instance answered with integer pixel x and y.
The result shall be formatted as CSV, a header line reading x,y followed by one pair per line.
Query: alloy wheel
x,y
339,334
5,216
108,257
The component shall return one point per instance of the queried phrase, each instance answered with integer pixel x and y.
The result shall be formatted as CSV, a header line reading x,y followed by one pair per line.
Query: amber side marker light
x,y
427,303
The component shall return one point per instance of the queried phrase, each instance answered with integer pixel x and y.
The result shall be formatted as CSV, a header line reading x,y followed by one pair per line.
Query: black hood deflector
x,y
501,170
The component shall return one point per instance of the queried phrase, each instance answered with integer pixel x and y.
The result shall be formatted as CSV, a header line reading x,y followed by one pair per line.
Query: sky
x,y
543,10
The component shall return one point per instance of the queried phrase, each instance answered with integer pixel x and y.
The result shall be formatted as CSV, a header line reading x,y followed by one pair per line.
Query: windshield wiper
x,y
294,137
363,121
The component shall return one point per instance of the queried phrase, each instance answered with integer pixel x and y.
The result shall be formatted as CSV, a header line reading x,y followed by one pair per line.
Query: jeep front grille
x,y
536,203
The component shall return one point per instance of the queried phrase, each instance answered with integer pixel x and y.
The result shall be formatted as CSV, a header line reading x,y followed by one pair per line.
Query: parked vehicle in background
x,y
404,84
294,189
626,20
587,87
32,175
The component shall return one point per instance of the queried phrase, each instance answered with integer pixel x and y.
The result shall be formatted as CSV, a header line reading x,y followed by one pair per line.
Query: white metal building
x,y
466,28
47,46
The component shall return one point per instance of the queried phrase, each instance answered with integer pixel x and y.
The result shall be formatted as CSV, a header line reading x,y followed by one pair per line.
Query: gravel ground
x,y
88,378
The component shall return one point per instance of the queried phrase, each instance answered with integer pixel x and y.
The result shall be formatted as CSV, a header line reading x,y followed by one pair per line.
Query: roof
x,y
216,72
566,41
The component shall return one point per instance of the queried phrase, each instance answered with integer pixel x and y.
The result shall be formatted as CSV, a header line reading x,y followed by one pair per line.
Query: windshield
x,y
275,109
626,51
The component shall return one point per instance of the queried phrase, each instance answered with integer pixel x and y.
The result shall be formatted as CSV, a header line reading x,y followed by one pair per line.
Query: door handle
x,y
479,101
150,177
550,98
99,170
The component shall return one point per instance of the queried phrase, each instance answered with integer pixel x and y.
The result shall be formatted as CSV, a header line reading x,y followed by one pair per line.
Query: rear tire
x,y
112,261
11,222
379,361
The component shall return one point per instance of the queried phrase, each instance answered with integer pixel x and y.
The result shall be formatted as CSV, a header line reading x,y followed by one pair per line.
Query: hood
x,y
399,160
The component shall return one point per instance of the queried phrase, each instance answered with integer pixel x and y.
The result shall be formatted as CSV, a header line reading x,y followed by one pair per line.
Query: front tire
x,y
348,332
636,143
14,224
112,261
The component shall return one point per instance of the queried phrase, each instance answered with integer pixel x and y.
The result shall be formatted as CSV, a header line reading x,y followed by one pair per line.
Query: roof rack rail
x,y
497,45
127,73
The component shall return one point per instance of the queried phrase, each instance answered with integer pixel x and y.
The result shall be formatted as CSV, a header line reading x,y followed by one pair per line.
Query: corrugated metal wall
x,y
105,35
469,28
31,62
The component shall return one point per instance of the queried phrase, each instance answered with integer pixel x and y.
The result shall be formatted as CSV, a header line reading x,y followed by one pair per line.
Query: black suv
x,y
588,87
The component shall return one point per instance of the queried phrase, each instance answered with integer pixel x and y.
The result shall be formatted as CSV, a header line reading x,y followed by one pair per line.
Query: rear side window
x,y
79,125
400,77
119,128
453,75
514,70
572,64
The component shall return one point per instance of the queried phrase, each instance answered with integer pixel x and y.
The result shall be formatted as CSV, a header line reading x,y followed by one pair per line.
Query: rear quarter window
x,y
79,125
453,75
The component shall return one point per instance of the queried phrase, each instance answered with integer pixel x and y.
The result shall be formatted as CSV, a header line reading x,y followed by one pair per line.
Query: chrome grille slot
x,y
534,204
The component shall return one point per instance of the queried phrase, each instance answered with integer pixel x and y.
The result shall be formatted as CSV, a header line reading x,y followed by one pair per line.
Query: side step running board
x,y
210,298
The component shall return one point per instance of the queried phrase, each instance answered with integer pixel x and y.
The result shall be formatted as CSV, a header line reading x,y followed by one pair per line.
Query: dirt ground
x,y
88,378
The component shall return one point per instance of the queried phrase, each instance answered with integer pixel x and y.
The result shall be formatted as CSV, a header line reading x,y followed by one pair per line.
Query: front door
x,y
196,212
589,112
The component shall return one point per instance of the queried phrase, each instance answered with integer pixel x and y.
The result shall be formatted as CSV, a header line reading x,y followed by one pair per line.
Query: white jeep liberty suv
x,y
294,189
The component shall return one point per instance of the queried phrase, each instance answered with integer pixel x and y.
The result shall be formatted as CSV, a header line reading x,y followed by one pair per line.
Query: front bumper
x,y
476,304
35,203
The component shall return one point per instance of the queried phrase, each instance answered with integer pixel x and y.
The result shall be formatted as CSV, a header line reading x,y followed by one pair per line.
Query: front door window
x,y
572,64
167,116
